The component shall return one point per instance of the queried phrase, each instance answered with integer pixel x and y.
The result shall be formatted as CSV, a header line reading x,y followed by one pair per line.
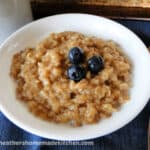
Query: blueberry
x,y
95,64
76,55
76,72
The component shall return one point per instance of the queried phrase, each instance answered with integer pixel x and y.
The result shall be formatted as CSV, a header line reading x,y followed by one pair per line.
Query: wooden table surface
x,y
50,7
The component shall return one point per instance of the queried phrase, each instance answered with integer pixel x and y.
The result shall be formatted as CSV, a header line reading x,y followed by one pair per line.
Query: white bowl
x,y
32,33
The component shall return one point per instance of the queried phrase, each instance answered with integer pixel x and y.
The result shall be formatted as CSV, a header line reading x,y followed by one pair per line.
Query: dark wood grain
x,y
46,8
125,3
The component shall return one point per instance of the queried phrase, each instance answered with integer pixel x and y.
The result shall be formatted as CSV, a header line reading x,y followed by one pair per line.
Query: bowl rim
x,y
34,131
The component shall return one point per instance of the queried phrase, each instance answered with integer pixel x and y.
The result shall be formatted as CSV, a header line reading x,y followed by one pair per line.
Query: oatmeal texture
x,y
42,83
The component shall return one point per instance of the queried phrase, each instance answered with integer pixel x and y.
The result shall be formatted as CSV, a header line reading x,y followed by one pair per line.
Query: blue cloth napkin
x,y
131,137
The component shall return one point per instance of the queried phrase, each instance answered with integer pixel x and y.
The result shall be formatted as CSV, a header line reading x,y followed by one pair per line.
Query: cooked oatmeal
x,y
42,83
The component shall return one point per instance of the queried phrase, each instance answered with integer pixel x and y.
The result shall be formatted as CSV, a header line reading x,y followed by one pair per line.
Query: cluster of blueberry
x,y
77,72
